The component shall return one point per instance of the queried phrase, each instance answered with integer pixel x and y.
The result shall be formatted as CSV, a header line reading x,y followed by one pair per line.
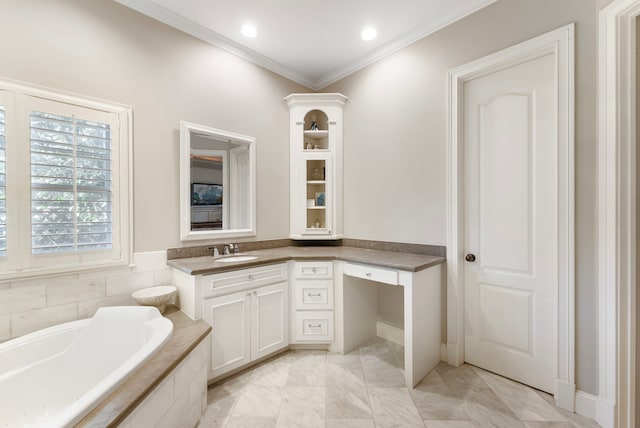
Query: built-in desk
x,y
357,312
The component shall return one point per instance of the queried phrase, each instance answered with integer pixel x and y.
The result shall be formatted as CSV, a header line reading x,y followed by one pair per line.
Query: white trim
x,y
186,234
181,23
390,332
586,404
617,213
561,43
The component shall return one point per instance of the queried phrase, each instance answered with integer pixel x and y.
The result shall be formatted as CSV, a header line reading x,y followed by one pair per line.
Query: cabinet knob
x,y
313,270
368,274
250,278
470,257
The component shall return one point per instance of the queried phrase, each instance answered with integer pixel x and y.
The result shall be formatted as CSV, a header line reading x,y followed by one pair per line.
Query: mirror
x,y
217,183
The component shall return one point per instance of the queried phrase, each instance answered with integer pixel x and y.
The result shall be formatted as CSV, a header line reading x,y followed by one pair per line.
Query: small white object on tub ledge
x,y
157,296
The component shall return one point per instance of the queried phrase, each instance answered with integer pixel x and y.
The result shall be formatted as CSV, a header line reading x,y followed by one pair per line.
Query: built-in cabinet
x,y
249,325
247,308
312,309
259,311
316,135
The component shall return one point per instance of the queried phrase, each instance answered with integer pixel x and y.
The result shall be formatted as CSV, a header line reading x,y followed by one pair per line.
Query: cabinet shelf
x,y
316,182
316,134
317,208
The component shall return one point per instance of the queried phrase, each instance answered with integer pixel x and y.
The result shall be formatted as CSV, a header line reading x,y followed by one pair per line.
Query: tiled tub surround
x,y
169,390
34,304
56,376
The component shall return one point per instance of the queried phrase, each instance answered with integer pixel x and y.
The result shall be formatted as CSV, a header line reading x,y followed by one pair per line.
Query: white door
x,y
269,320
510,222
230,317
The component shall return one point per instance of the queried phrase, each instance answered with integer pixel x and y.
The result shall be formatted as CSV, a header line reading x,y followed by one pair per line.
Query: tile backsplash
x,y
32,304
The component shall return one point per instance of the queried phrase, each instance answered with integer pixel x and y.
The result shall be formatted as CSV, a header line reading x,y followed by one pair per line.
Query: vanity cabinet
x,y
247,308
316,165
312,317
247,325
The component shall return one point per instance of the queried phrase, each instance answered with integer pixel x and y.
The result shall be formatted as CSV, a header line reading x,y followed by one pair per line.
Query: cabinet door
x,y
270,328
230,317
318,203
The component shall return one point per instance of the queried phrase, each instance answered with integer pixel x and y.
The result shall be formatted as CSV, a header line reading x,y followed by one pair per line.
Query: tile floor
x,y
365,389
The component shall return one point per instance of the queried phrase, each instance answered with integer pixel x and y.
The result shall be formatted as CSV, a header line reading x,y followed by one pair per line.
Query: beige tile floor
x,y
365,389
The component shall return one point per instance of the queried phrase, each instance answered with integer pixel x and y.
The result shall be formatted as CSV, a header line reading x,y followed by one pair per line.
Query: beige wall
x,y
395,121
105,50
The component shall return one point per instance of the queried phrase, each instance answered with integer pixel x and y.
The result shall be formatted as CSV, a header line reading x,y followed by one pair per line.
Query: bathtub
x,y
56,376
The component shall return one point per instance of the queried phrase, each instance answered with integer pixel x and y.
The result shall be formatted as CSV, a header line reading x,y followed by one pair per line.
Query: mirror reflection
x,y
218,169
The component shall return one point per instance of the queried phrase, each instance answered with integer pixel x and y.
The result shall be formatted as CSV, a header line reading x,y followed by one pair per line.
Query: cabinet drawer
x,y
242,279
314,294
386,276
314,326
304,270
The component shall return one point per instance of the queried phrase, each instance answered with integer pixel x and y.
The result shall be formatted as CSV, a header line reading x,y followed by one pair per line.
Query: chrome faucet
x,y
216,253
228,249
231,249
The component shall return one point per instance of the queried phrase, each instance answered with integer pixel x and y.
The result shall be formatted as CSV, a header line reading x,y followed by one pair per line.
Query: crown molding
x,y
152,10
399,44
198,31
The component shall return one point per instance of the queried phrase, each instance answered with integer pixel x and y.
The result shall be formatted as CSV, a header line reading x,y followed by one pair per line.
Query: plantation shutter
x,y
71,186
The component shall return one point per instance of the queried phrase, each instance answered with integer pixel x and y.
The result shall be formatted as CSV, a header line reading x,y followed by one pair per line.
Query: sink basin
x,y
232,259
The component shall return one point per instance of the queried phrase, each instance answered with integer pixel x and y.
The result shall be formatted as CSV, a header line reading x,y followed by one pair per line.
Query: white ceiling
x,y
314,43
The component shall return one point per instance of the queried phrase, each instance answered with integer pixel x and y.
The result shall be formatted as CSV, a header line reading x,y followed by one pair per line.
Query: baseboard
x,y
596,408
390,333
586,404
454,356
605,413
566,396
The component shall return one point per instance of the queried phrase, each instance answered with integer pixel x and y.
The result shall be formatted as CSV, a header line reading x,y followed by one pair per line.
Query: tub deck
x,y
187,334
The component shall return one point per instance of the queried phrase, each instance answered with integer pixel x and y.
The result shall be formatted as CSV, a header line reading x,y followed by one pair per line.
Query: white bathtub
x,y
56,376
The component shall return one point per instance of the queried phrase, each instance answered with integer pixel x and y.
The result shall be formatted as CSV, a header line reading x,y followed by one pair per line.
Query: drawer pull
x,y
250,278
314,294
314,325
248,294
314,270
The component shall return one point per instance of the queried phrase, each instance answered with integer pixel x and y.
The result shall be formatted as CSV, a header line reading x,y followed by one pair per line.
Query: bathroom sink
x,y
232,259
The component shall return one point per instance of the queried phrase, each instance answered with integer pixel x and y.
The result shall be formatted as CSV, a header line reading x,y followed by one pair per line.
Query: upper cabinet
x,y
316,165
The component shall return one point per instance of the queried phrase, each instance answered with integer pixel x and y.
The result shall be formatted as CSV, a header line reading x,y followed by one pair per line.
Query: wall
x,y
395,121
104,50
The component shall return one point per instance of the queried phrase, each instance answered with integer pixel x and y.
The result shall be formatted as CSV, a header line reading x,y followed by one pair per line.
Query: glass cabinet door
x,y
318,196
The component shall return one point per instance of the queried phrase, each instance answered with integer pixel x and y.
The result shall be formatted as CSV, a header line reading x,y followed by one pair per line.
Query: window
x,y
64,197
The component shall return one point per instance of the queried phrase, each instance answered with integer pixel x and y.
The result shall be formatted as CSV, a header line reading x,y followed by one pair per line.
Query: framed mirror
x,y
217,183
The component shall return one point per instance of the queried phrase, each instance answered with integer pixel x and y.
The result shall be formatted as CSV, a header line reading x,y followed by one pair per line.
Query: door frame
x,y
617,213
560,43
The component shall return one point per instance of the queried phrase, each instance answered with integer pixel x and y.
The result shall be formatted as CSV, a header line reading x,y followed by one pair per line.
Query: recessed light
x,y
369,33
249,31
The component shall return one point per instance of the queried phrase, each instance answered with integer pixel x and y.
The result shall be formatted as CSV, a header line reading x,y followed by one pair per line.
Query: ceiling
x,y
314,43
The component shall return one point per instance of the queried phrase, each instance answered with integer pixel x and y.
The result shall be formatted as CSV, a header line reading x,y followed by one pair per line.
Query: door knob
x,y
470,257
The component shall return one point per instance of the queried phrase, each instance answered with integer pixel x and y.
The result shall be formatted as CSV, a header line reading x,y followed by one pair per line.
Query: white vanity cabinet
x,y
312,309
247,308
316,165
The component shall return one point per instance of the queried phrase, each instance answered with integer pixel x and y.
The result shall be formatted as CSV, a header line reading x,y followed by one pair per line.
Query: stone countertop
x,y
187,334
387,259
